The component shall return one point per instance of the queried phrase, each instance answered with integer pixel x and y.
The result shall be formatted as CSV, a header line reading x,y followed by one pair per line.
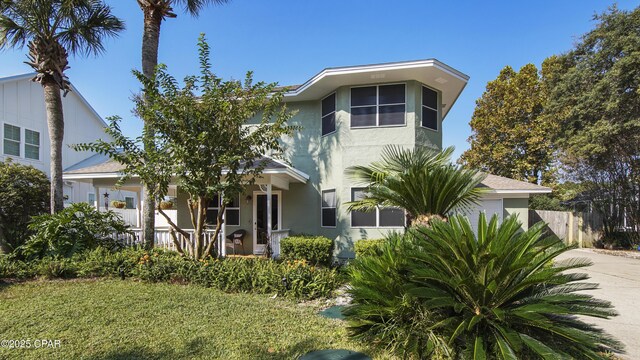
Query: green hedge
x,y
251,275
315,250
368,247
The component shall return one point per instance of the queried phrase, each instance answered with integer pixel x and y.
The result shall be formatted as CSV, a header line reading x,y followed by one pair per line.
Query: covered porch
x,y
254,221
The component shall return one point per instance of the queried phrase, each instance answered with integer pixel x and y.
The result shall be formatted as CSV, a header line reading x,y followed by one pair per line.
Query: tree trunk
x,y
150,41
55,122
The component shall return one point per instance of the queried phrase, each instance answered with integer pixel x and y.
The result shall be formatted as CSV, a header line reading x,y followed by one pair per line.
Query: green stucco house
x,y
348,115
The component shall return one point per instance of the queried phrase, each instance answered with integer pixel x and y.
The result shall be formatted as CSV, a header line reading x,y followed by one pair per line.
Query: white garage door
x,y
489,207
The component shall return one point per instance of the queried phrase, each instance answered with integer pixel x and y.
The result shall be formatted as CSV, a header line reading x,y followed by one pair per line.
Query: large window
x,y
429,108
329,114
31,144
232,211
382,105
329,204
382,217
11,140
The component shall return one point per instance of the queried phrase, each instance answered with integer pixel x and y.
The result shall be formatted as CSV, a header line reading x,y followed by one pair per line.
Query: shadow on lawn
x,y
198,348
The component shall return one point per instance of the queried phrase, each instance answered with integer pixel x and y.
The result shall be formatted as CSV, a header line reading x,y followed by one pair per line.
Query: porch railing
x,y
163,238
276,236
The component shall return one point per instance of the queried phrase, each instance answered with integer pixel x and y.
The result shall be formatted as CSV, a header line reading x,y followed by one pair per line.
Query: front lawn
x,y
114,319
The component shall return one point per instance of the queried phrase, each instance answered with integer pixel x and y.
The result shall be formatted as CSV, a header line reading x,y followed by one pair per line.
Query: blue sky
x,y
289,41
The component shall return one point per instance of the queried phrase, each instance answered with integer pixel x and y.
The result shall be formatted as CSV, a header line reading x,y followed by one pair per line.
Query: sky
x,y
289,41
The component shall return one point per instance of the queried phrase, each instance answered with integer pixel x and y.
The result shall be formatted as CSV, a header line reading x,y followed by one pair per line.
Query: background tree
x,y
203,141
595,95
24,192
155,12
421,181
52,29
511,137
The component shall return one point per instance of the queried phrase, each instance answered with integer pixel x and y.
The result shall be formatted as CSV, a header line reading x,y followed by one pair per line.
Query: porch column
x,y
269,219
223,229
96,191
139,207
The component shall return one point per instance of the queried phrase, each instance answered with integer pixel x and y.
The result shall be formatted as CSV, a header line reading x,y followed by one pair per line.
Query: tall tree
x,y
204,142
511,136
155,12
595,95
421,181
53,29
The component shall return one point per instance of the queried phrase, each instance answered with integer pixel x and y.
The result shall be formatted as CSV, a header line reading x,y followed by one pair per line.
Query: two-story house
x,y
24,134
347,115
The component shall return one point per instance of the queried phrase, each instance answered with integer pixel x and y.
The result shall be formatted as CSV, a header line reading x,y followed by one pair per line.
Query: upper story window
x,y
11,140
382,105
429,108
329,114
31,144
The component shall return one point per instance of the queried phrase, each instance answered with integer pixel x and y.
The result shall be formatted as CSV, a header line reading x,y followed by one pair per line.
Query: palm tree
x,y
53,29
156,11
498,294
421,181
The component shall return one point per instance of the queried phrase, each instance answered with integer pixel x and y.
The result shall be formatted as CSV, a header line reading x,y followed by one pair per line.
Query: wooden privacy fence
x,y
579,228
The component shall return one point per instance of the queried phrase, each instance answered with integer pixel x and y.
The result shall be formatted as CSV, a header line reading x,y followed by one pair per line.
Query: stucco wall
x,y
518,207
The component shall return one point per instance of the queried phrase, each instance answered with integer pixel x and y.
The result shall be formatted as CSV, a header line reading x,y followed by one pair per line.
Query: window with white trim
x,y
381,217
328,208
429,108
91,199
130,202
380,105
31,144
232,211
329,114
11,140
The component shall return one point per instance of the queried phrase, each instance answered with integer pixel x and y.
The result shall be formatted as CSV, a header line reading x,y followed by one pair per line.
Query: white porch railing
x,y
163,238
276,236
129,216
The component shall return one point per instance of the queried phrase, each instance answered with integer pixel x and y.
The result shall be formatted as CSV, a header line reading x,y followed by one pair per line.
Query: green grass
x,y
113,319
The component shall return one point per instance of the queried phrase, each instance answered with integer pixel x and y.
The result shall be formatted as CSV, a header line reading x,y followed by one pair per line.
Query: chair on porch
x,y
237,237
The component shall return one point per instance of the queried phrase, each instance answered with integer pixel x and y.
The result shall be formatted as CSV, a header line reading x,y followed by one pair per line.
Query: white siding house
x,y
24,134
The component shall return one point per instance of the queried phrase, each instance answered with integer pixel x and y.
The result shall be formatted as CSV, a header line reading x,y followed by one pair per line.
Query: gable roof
x,y
74,90
501,184
431,72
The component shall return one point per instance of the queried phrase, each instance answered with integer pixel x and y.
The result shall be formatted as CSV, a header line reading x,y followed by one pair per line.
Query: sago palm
x,y
154,13
53,29
499,294
421,181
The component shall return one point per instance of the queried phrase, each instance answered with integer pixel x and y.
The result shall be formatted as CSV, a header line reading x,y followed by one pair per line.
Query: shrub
x,y
494,295
74,229
254,275
52,268
13,268
368,247
621,240
24,192
315,250
102,262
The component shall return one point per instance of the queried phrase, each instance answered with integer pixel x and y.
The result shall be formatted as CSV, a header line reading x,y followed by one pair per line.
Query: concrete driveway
x,y
619,280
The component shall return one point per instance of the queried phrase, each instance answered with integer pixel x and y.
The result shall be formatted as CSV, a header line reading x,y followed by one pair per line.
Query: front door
x,y
260,233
